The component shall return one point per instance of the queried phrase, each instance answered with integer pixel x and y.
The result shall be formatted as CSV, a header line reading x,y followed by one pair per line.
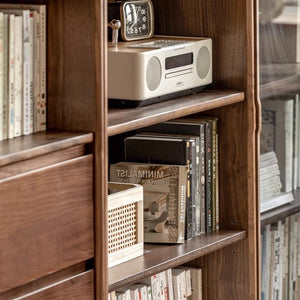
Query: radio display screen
x,y
179,60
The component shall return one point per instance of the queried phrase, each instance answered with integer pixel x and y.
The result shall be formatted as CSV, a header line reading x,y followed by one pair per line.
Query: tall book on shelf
x,y
155,148
277,135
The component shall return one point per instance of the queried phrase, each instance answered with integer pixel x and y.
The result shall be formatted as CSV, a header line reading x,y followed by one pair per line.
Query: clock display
x,y
137,20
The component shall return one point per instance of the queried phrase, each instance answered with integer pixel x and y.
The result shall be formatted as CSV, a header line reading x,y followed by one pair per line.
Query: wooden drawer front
x,y
46,220
79,287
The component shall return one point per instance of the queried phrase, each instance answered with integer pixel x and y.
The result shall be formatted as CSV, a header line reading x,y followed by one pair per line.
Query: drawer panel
x,y
79,287
46,218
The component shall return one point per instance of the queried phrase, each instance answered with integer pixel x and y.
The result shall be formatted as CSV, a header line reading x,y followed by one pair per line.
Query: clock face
x,y
137,20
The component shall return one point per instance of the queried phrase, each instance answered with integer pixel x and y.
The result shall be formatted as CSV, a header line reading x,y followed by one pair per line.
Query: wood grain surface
x,y
46,221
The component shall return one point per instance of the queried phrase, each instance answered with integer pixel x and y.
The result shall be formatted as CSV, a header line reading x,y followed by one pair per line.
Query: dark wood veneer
x,y
46,221
157,258
29,146
122,120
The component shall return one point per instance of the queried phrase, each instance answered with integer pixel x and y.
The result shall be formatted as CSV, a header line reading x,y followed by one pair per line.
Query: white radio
x,y
158,69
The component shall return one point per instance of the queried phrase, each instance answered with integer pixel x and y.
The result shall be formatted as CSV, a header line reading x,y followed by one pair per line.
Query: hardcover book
x,y
164,198
155,148
179,126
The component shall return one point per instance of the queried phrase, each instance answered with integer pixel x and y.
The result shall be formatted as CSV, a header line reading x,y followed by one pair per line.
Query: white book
x,y
298,181
170,284
134,293
26,72
178,278
272,173
5,76
149,293
41,9
1,74
162,286
267,155
270,182
31,98
264,196
295,141
276,201
112,295
18,91
277,135
37,72
11,75
142,291
267,262
268,162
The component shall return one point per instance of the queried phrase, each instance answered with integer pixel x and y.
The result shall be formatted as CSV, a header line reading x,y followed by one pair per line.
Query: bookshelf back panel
x,y
223,21
71,65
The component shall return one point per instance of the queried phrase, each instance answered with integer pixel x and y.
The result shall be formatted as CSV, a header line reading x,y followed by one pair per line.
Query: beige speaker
x,y
153,73
203,62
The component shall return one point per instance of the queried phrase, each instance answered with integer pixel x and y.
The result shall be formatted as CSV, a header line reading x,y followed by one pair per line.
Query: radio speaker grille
x,y
203,62
153,73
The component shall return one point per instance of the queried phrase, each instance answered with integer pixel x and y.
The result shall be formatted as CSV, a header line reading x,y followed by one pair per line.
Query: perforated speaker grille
x,y
153,73
203,62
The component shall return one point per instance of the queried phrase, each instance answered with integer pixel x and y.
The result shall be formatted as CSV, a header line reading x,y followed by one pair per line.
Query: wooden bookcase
x,y
77,101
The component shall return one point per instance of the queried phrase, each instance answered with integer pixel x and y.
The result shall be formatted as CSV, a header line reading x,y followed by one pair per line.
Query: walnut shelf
x,y
28,146
281,212
121,120
157,257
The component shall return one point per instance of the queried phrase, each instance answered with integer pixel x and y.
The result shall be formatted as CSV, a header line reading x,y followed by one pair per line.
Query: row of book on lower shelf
x,y
173,284
280,150
280,263
176,162
22,69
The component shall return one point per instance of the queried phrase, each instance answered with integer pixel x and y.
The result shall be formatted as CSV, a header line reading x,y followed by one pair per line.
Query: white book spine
x,y
295,142
170,284
5,77
11,76
31,104
26,72
1,75
18,92
37,71
43,66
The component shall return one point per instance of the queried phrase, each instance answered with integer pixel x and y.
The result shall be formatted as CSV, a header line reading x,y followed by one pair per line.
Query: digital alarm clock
x,y
158,69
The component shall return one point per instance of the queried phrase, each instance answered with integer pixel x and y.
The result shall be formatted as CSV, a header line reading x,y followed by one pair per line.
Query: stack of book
x,y
270,183
281,134
177,164
281,259
22,69
172,284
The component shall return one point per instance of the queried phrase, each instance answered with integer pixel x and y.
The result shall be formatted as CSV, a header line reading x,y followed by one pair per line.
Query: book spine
x,y
43,106
208,179
202,176
170,284
5,77
31,92
1,75
181,204
26,72
196,175
18,76
11,88
37,69
214,174
188,202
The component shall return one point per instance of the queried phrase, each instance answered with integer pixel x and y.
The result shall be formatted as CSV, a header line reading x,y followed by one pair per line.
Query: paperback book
x,y
164,198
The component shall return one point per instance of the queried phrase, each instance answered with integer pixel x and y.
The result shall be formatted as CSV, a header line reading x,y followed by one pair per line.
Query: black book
x,y
167,149
184,126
